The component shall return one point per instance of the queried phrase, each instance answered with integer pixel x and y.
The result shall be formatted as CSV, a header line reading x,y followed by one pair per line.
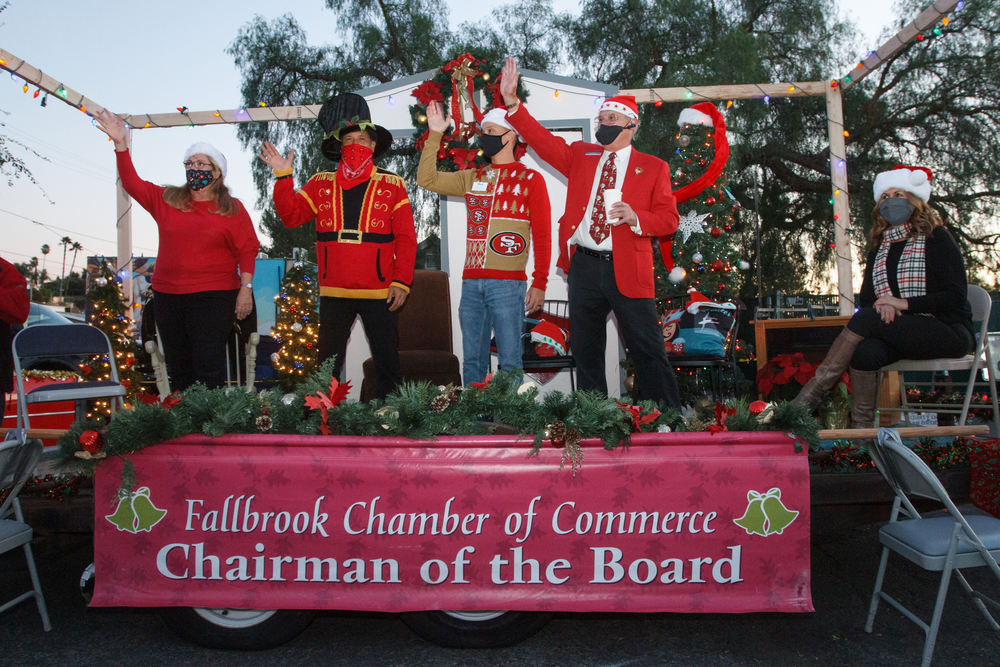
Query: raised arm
x,y
549,147
428,176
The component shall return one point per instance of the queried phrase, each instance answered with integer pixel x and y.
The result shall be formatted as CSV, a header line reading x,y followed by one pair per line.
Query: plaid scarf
x,y
910,272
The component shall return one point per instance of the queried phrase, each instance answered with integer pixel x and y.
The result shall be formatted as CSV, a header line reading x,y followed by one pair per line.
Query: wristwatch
x,y
249,286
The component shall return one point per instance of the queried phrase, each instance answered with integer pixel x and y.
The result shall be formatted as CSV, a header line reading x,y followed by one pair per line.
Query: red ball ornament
x,y
728,228
91,441
722,286
710,201
717,265
716,232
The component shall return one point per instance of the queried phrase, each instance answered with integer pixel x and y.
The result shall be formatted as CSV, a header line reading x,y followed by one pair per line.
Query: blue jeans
x,y
489,304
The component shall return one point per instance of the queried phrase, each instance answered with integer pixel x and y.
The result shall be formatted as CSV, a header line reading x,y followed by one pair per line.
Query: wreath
x,y
455,85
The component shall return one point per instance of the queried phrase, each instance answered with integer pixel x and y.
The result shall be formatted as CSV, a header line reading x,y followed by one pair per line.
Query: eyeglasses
x,y
612,118
197,164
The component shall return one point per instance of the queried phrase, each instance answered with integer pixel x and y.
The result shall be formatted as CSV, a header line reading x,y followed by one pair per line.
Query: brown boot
x,y
837,360
864,395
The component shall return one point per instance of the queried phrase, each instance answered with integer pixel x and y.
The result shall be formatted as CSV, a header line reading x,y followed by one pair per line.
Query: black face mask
x,y
491,143
606,134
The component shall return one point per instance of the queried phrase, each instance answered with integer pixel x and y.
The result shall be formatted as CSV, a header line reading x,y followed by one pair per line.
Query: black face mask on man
x,y
606,134
491,144
895,210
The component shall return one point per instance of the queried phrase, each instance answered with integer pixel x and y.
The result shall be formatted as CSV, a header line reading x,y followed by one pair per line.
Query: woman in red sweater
x,y
205,234
13,311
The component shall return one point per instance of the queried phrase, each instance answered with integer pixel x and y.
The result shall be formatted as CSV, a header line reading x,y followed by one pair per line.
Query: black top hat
x,y
347,112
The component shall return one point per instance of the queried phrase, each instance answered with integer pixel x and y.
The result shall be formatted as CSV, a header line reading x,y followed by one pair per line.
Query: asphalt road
x,y
844,559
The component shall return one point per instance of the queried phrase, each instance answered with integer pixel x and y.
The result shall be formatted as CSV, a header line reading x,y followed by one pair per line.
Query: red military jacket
x,y
360,256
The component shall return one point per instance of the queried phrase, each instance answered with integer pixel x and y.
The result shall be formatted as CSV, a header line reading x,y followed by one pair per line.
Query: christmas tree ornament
x,y
264,423
677,274
297,327
709,201
691,223
717,265
715,232
683,140
744,265
697,258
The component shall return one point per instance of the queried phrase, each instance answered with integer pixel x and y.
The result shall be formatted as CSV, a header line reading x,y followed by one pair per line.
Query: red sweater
x,y
13,310
199,250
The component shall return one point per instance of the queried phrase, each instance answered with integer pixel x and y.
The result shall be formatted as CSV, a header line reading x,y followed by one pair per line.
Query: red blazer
x,y
646,188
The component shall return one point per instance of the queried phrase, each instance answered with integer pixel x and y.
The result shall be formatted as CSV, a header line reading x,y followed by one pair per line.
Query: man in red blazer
x,y
606,252
13,311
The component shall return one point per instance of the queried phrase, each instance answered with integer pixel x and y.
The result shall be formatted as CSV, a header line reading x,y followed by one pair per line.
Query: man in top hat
x,y
507,207
366,245
606,251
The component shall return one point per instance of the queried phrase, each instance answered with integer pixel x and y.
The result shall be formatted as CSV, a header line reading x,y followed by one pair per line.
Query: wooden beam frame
x,y
898,42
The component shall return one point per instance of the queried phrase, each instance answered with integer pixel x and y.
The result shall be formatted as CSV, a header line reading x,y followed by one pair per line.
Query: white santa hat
x,y
202,148
692,116
498,117
915,180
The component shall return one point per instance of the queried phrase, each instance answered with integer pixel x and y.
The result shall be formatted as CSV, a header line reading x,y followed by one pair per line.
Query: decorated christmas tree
x,y
110,314
296,327
707,251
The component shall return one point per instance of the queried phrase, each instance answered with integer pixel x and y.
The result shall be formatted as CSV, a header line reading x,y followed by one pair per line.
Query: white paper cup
x,y
611,197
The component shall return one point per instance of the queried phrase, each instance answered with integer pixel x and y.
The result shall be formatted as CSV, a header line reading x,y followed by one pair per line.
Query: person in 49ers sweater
x,y
366,245
507,205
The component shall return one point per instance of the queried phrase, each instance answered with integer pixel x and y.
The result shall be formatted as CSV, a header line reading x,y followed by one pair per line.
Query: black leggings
x,y
906,337
195,329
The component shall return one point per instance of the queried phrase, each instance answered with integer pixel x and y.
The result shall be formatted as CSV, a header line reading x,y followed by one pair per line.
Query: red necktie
x,y
599,227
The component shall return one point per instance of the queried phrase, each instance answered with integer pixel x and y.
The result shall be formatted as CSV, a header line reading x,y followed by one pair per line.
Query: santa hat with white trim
x,y
623,104
202,148
915,180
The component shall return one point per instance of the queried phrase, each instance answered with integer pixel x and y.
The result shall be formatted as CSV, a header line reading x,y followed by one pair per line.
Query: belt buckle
x,y
354,236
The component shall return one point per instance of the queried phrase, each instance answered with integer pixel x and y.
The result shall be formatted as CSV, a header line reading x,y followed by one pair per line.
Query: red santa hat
x,y
623,104
915,180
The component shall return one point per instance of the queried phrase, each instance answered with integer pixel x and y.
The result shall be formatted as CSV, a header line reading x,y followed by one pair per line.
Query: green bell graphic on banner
x,y
765,514
124,516
778,516
147,514
753,519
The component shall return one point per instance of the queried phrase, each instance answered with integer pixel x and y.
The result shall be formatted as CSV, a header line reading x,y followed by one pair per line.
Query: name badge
x,y
479,186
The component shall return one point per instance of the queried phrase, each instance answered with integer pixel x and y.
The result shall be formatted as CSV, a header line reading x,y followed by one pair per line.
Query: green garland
x,y
417,410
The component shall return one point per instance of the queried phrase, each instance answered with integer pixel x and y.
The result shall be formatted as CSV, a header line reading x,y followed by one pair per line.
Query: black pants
x,y
194,329
593,294
906,337
337,315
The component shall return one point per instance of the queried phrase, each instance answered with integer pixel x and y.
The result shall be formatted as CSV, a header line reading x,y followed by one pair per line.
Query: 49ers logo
x,y
508,243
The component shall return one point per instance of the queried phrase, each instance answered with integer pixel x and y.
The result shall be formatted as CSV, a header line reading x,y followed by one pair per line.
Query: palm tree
x,y
76,247
64,242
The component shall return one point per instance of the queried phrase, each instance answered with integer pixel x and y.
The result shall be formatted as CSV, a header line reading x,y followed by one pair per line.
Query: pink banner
x,y
675,522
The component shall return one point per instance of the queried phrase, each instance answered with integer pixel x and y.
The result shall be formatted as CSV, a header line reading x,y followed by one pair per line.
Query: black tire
x,y
475,629
242,629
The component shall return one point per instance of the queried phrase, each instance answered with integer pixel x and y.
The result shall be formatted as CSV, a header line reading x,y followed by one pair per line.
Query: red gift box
x,y
984,477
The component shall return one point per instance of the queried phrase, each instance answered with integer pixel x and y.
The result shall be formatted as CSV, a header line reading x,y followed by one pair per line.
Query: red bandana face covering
x,y
355,165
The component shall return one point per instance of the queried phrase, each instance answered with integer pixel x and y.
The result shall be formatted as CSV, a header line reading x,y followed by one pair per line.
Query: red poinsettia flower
x,y
784,369
325,402
464,157
635,413
481,386
428,92
172,399
721,414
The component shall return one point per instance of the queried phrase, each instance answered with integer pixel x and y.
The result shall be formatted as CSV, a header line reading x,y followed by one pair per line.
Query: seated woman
x,y
912,303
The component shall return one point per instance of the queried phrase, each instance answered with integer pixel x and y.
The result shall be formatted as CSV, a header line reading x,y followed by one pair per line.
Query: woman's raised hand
x,y
113,126
274,159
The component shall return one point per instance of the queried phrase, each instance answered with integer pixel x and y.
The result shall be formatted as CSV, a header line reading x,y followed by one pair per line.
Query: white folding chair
x,y
943,542
75,343
979,360
17,462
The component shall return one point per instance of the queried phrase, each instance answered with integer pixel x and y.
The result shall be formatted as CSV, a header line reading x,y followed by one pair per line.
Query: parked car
x,y
40,315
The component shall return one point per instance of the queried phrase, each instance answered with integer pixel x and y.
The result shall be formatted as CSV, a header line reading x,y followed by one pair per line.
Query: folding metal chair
x,y
76,343
17,462
979,360
943,542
